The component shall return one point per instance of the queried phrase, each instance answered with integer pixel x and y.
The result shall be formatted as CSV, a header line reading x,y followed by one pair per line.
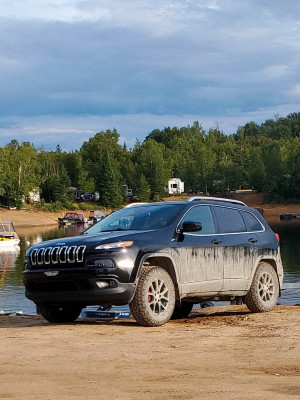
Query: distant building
x,y
175,186
34,195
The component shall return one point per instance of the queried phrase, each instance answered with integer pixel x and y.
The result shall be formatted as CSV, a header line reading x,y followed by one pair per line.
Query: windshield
x,y
137,218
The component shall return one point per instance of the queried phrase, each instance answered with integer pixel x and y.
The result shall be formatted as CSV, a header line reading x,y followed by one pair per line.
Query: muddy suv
x,y
160,258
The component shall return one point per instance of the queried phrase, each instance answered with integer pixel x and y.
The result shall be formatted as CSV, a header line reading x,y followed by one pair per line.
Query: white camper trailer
x,y
175,186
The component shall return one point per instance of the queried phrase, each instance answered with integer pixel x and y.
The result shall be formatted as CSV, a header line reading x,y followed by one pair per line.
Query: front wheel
x,y
60,314
154,299
264,291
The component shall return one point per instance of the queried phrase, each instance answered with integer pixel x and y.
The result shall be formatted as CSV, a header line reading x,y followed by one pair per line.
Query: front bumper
x,y
76,287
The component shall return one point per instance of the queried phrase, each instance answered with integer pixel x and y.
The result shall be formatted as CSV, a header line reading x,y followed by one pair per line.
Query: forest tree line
x,y
263,157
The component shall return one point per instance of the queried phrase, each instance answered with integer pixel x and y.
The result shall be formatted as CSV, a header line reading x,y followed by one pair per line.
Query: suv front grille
x,y
59,255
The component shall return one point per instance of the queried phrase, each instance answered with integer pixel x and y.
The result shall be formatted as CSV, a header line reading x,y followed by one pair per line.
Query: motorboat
x,y
8,236
72,218
95,216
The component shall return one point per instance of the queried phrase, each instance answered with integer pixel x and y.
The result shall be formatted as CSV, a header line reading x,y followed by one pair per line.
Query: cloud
x,y
125,60
70,132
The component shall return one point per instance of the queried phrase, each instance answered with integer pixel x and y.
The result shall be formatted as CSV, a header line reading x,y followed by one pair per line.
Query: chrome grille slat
x,y
80,253
54,255
40,256
62,255
71,255
57,255
33,256
47,255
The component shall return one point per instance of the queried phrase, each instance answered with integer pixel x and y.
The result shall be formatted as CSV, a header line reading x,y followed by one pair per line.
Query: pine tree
x,y
109,184
143,189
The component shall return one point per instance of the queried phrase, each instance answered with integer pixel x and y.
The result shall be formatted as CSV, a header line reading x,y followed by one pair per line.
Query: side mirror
x,y
191,227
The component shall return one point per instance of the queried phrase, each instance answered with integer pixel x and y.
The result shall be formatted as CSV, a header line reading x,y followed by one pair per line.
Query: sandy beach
x,y
27,218
224,353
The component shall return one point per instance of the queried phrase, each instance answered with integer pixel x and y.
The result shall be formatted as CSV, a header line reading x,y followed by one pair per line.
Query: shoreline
x,y
23,219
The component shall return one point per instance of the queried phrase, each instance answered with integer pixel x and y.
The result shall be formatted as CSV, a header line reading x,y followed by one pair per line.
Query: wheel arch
x,y
164,261
273,264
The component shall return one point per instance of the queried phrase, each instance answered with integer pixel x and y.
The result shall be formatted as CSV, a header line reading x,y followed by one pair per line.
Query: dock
x,y
287,217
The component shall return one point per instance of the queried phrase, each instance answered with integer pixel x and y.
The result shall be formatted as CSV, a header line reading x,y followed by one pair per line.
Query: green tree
x,y
143,189
154,167
109,182
20,172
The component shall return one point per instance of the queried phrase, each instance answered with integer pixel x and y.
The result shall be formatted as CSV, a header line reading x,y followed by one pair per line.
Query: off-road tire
x,y
183,310
154,299
59,314
264,291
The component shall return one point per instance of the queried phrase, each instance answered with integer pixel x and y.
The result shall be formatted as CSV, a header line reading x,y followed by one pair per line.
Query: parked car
x,y
160,258
87,196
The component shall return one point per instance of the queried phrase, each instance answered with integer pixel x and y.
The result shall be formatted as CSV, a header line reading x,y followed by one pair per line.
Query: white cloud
x,y
72,67
296,90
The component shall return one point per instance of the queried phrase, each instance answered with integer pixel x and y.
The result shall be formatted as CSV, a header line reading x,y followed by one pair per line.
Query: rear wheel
x,y
55,313
264,291
183,310
154,299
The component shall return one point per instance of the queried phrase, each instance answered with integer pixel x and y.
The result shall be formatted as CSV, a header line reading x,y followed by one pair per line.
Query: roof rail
x,y
195,198
134,204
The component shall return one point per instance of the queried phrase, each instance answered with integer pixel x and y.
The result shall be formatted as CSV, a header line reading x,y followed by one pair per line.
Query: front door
x,y
200,254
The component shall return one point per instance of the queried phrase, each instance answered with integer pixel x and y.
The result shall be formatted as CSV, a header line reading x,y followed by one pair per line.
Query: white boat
x,y
8,235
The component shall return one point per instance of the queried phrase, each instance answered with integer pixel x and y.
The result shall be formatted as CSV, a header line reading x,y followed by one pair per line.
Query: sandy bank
x,y
47,220
218,353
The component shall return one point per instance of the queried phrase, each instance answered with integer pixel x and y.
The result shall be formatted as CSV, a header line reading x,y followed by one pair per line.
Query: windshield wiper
x,y
114,230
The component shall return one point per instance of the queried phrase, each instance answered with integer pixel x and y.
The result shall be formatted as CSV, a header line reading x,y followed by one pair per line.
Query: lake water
x,y
11,265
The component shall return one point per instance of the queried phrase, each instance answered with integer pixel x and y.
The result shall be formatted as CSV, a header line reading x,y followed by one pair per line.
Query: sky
x,y
72,68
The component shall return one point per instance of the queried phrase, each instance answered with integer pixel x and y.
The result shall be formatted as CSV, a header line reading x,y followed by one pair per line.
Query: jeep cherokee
x,y
160,258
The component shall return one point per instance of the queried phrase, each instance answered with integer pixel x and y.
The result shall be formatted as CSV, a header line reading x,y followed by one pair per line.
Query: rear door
x,y
241,246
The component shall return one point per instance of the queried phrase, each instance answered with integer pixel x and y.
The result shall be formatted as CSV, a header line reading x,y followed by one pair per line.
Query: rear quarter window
x,y
229,220
253,224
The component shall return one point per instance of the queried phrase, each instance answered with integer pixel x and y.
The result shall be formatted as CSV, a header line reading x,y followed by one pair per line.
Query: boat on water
x,y
72,218
95,216
8,236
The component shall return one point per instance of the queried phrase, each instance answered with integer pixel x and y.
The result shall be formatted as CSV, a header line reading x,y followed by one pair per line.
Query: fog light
x,y
102,284
113,284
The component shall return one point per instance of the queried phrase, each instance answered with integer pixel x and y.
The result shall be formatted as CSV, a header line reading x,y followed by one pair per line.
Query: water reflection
x,y
11,263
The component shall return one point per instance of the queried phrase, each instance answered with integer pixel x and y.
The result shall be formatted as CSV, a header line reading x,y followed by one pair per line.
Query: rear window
x,y
229,220
253,223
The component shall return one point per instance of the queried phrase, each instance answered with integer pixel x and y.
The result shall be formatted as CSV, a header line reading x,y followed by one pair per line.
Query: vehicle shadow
x,y
209,316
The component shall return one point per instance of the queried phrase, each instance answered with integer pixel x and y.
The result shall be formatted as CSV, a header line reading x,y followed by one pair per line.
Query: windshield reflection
x,y
146,217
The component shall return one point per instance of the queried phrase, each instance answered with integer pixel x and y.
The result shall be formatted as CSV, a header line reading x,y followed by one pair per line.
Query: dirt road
x,y
218,353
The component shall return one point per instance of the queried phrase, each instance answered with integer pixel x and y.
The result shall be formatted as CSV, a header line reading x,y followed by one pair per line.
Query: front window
x,y
202,215
141,218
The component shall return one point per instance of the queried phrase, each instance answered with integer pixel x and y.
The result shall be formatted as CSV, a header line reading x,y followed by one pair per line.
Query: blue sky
x,y
69,69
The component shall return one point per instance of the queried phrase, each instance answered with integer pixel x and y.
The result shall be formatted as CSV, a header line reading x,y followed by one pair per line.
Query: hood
x,y
89,240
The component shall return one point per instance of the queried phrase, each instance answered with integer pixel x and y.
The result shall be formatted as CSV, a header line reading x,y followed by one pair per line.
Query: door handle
x,y
252,240
215,241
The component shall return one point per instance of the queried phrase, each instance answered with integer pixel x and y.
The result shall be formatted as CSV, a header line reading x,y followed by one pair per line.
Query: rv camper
x,y
175,186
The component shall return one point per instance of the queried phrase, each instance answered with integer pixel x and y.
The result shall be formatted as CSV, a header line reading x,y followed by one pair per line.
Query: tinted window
x,y
202,215
252,222
229,220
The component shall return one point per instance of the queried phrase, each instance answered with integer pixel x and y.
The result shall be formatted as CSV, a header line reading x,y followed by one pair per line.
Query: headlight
x,y
116,245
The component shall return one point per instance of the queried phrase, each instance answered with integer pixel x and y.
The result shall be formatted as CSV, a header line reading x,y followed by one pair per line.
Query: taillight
x,y
277,237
